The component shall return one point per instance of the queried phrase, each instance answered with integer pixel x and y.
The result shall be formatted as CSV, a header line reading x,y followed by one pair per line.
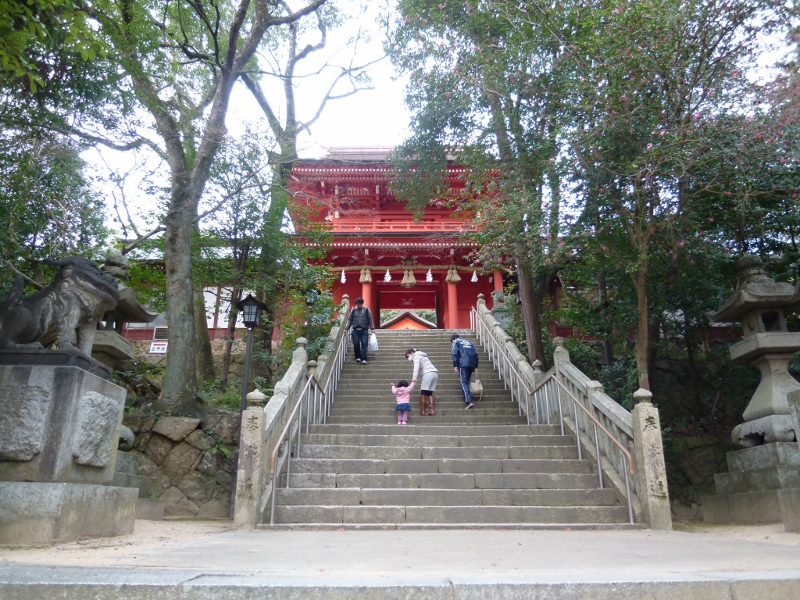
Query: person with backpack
x,y
465,361
360,321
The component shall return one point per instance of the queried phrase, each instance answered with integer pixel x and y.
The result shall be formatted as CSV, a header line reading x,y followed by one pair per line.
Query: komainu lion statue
x,y
73,304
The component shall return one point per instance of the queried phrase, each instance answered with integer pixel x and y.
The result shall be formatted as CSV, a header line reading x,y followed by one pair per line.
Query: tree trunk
x,y
204,357
180,376
640,283
653,336
236,295
608,348
531,304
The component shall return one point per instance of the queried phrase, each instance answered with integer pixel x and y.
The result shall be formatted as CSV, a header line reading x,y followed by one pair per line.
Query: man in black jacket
x,y
465,361
360,321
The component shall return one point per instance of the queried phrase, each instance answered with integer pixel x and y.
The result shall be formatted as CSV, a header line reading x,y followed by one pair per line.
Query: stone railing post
x,y
560,354
312,368
648,456
537,372
248,473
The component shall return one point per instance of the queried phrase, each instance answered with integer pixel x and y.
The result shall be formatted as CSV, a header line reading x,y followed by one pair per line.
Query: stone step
x,y
451,514
476,452
376,466
389,403
472,467
505,481
426,429
451,420
445,497
445,410
385,386
403,439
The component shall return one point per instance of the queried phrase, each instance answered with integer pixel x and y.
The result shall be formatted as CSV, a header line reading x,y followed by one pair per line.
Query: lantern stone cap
x,y
755,290
301,341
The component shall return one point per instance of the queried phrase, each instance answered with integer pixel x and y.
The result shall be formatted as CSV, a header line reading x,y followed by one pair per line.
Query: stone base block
x,y
149,510
758,480
141,483
45,514
761,457
750,508
775,506
790,508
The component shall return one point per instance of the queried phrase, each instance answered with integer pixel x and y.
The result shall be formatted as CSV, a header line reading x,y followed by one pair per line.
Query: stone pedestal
x,y
59,430
762,486
43,514
111,349
58,424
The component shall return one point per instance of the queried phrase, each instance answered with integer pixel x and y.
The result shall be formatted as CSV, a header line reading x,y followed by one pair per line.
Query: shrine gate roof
x,y
351,194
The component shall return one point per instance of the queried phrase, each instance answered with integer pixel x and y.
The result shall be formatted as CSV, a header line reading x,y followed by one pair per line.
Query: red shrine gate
x,y
378,251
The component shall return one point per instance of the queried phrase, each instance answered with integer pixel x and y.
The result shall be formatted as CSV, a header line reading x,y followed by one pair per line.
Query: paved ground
x,y
207,560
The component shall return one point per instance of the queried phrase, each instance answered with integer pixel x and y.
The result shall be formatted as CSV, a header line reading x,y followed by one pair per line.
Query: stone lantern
x,y
761,304
762,484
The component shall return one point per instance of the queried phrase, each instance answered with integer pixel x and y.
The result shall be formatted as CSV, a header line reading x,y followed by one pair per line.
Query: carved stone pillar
x,y
648,456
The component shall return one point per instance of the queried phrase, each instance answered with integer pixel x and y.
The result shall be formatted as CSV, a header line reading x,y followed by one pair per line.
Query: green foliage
x,y
620,380
229,398
147,279
47,205
34,33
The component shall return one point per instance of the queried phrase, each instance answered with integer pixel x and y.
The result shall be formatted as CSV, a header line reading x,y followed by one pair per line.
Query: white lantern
x,y
429,276
343,279
388,276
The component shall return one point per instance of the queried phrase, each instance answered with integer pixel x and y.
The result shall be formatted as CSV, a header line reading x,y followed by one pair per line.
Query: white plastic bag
x,y
476,389
373,341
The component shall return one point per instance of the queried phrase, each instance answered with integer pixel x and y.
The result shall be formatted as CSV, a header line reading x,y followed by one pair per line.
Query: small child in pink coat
x,y
403,392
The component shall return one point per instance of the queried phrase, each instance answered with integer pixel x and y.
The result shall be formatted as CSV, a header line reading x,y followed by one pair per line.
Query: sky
x,y
369,118
375,117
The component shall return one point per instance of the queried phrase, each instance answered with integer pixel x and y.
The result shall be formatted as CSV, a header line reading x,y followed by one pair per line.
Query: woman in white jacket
x,y
430,377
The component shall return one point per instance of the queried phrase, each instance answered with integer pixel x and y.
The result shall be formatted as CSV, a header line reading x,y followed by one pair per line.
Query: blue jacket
x,y
464,354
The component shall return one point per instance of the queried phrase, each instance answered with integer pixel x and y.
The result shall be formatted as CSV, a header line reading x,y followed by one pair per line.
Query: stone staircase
x,y
479,467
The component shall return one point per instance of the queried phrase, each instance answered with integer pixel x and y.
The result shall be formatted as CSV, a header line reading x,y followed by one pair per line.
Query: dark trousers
x,y
360,343
464,374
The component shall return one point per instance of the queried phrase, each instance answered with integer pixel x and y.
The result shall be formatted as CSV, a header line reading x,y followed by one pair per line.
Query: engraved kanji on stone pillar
x,y
648,456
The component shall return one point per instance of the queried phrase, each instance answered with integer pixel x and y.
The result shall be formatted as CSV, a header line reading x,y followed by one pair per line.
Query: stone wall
x,y
190,461
142,352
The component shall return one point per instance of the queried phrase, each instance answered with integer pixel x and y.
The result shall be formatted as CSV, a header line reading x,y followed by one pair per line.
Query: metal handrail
x,y
505,368
626,455
322,399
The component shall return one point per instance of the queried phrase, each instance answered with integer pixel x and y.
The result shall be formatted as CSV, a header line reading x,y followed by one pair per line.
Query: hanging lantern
x,y
343,279
408,279
388,276
366,276
429,276
474,277
452,276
